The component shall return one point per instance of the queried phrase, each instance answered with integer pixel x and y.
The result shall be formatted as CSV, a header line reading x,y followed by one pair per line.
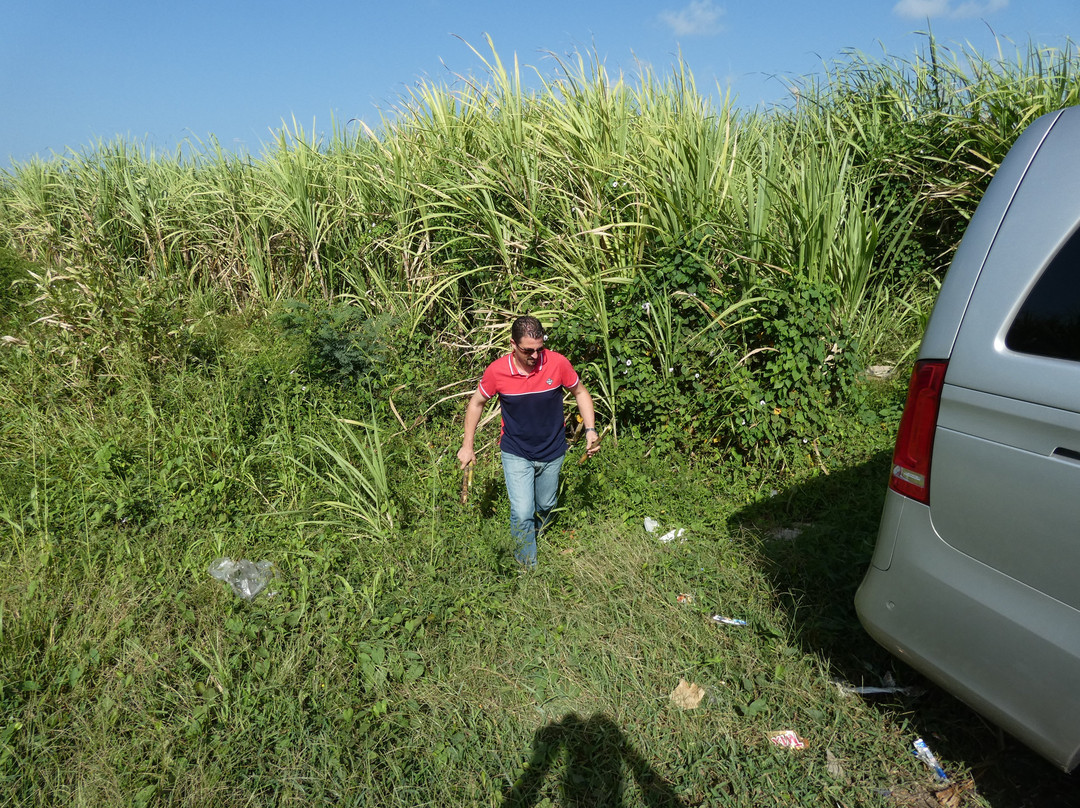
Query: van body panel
x,y
979,589
932,609
890,523
1020,511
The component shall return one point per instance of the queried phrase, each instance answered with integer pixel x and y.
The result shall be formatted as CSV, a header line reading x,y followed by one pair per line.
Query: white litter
x,y
671,535
246,578
787,533
888,686
728,621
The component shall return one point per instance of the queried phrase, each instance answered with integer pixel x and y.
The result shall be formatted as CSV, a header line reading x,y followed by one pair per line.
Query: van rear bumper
x,y
1008,651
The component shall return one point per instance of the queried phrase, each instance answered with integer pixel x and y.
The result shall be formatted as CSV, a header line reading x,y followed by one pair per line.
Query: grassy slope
x,y
419,669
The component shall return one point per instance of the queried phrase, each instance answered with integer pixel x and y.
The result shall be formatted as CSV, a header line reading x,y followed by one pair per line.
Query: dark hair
x,y
526,327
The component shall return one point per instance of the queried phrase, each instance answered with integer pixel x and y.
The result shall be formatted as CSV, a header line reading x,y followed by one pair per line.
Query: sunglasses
x,y
529,351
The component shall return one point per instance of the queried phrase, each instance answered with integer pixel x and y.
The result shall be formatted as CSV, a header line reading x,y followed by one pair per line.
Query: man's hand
x,y
588,416
592,445
466,457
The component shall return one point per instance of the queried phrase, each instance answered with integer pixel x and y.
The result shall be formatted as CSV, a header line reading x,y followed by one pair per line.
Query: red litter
x,y
787,738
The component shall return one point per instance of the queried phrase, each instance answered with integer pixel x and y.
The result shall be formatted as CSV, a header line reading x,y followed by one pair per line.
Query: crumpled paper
x,y
687,696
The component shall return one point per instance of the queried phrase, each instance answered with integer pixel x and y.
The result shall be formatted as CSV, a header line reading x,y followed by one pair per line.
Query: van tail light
x,y
915,440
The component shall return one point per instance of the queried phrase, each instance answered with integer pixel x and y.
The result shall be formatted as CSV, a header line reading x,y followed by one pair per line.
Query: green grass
x,y
416,674
404,661
417,667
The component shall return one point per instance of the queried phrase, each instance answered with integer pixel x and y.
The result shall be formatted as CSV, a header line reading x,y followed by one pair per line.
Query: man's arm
x,y
473,410
588,417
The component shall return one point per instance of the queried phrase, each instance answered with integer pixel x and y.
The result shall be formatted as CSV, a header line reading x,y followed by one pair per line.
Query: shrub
x,y
800,368
342,343
669,349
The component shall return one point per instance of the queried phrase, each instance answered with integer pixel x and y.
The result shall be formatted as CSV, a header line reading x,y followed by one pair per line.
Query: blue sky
x,y
162,73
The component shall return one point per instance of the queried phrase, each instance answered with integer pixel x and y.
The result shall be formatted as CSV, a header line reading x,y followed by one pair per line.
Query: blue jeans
x,y
533,488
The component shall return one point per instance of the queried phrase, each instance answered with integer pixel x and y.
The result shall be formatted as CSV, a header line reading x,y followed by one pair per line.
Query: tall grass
x,y
472,204
414,666
360,486
415,669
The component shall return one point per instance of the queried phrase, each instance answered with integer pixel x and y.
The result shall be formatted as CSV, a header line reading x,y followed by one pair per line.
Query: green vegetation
x,y
211,356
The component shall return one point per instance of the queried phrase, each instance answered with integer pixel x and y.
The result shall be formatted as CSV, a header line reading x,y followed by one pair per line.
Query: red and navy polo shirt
x,y
533,426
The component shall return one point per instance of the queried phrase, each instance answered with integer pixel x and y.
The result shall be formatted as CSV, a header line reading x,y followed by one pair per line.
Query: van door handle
x,y
1071,454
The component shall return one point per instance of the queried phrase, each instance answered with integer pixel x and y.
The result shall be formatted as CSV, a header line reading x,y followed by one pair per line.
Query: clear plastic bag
x,y
246,578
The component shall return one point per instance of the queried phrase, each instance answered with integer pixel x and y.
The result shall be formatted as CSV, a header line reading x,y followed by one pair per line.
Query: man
x,y
529,382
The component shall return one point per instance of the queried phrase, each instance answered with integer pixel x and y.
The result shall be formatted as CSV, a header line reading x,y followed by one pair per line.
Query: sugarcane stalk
x,y
466,481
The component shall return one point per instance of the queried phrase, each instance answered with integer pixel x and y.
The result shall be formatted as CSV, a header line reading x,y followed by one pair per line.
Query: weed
x,y
343,343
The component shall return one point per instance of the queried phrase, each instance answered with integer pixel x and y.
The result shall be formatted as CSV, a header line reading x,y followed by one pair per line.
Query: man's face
x,y
527,351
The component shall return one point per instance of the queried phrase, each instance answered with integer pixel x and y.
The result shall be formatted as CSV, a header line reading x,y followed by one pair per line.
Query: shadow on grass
x,y
596,754
491,490
816,539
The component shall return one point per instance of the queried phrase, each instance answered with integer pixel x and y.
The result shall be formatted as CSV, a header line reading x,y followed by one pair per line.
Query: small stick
x,y
585,456
466,481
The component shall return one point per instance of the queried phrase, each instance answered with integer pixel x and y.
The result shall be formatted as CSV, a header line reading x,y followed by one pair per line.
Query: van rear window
x,y
1048,323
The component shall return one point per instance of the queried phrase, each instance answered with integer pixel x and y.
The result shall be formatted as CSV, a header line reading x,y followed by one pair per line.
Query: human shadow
x,y
815,540
596,753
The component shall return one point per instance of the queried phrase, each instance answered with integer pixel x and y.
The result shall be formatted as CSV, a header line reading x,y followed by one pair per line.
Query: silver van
x,y
975,578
